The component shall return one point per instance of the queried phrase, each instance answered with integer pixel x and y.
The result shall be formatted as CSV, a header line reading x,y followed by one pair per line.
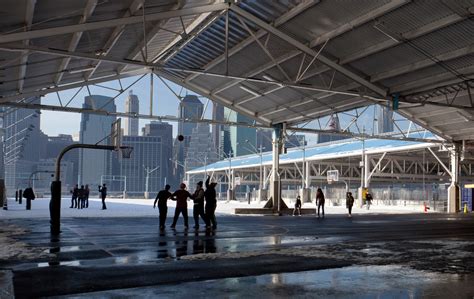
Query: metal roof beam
x,y
219,99
13,37
422,64
431,27
135,53
129,115
30,9
309,51
321,40
76,37
44,91
440,78
410,35
279,21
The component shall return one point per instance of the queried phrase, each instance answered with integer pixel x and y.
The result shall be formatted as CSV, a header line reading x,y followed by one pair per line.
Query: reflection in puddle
x,y
348,282
57,263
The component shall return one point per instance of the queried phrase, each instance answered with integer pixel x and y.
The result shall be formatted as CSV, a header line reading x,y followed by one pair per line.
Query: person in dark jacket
x,y
349,202
74,196
181,196
162,199
86,196
368,200
211,204
80,197
103,195
297,206
29,194
320,200
198,208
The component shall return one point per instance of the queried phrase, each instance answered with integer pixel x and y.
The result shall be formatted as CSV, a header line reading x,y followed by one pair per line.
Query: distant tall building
x,y
333,125
54,145
24,144
131,106
189,108
218,129
200,150
264,139
384,119
295,141
147,154
239,135
94,128
165,132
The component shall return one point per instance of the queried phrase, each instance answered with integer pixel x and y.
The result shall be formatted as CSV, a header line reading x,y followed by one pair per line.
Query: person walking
x,y
320,200
29,194
211,204
297,206
86,196
349,202
103,195
368,200
74,197
162,199
181,196
80,197
198,207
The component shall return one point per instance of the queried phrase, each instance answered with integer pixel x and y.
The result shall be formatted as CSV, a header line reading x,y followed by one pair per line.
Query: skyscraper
x,y
333,125
218,129
384,119
200,151
147,155
190,108
131,106
239,135
95,129
24,144
165,132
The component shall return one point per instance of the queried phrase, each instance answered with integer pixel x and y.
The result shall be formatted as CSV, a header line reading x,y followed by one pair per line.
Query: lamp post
x,y
147,178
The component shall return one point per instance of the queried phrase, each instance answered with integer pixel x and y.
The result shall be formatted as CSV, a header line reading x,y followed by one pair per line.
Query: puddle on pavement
x,y
349,282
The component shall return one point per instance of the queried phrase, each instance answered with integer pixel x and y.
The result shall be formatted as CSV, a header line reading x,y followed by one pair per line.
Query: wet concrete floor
x,y
365,256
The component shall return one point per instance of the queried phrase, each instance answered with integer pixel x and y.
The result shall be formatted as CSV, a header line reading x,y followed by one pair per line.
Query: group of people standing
x,y
204,204
80,196
320,201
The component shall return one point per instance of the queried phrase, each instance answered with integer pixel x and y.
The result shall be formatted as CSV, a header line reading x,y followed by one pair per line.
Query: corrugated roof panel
x,y
326,16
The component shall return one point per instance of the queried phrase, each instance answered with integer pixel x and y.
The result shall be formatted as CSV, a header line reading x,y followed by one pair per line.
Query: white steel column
x,y
453,190
275,183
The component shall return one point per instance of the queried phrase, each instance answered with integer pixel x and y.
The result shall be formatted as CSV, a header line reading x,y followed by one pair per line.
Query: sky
x,y
164,103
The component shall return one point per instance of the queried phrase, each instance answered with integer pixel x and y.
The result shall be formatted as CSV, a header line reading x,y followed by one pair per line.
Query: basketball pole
x,y
55,202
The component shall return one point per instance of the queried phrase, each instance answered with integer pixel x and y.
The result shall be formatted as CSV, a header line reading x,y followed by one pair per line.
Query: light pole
x,y
148,172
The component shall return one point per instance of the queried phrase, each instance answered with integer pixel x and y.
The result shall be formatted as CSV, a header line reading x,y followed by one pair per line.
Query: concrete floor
x,y
408,256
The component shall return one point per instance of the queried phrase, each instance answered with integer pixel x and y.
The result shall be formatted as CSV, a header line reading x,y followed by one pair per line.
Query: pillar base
x,y
262,195
230,194
147,195
305,195
453,198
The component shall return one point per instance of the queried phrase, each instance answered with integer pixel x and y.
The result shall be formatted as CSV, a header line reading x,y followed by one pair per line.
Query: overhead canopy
x,y
341,149
288,60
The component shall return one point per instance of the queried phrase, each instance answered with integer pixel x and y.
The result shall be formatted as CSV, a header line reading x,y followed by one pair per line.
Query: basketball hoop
x,y
126,151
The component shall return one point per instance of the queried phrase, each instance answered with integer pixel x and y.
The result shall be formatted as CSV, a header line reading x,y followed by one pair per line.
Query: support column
x,y
306,191
453,190
275,187
275,201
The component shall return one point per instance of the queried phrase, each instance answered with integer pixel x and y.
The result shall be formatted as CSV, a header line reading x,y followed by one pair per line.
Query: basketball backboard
x,y
116,134
332,176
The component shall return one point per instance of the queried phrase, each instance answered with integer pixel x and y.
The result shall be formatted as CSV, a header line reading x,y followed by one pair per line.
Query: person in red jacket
x,y
181,196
